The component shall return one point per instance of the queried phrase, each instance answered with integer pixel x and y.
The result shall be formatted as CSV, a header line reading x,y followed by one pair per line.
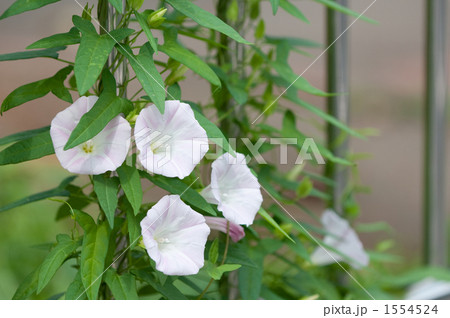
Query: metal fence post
x,y
436,85
338,106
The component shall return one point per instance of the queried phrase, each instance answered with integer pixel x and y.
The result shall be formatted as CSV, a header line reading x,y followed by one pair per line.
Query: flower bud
x,y
156,18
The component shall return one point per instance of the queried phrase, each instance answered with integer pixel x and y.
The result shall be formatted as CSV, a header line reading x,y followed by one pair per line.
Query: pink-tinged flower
x,y
343,239
105,152
171,144
175,236
220,224
234,189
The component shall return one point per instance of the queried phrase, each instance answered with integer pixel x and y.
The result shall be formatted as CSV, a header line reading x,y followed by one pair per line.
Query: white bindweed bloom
x,y
234,189
343,239
170,144
175,236
105,152
220,224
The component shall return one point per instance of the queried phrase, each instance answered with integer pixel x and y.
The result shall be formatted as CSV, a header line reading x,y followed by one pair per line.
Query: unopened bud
x,y
156,18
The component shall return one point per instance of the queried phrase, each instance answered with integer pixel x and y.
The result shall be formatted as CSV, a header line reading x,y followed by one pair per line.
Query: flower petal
x,y
105,152
235,189
220,224
175,236
171,144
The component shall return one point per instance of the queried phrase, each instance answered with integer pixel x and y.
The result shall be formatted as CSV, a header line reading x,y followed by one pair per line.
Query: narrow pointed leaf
x,y
275,4
118,4
52,53
22,135
176,186
60,39
20,6
130,182
175,50
106,189
293,10
107,107
65,247
205,18
147,74
93,52
214,133
35,147
28,92
338,7
142,20
93,255
274,223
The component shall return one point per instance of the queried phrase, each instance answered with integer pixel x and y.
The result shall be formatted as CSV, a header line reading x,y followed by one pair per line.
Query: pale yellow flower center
x,y
88,147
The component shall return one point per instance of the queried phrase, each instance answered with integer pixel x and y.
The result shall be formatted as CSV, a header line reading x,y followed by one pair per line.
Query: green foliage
x,y
54,84
104,252
57,40
34,147
20,6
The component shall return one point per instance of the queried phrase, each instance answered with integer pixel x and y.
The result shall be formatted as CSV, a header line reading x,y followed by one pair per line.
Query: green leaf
x,y
93,255
22,135
216,272
304,188
213,132
142,20
107,107
147,74
168,290
292,41
65,247
275,4
27,287
106,189
118,4
176,186
75,291
59,191
25,93
123,287
293,10
52,53
298,82
130,182
338,7
93,52
176,51
272,222
250,278
174,91
292,96
205,18
238,93
60,39
34,147
134,227
20,6
213,254
290,131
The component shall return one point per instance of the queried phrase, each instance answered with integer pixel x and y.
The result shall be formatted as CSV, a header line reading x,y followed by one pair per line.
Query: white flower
x,y
105,152
428,289
171,144
175,236
234,189
220,224
343,239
